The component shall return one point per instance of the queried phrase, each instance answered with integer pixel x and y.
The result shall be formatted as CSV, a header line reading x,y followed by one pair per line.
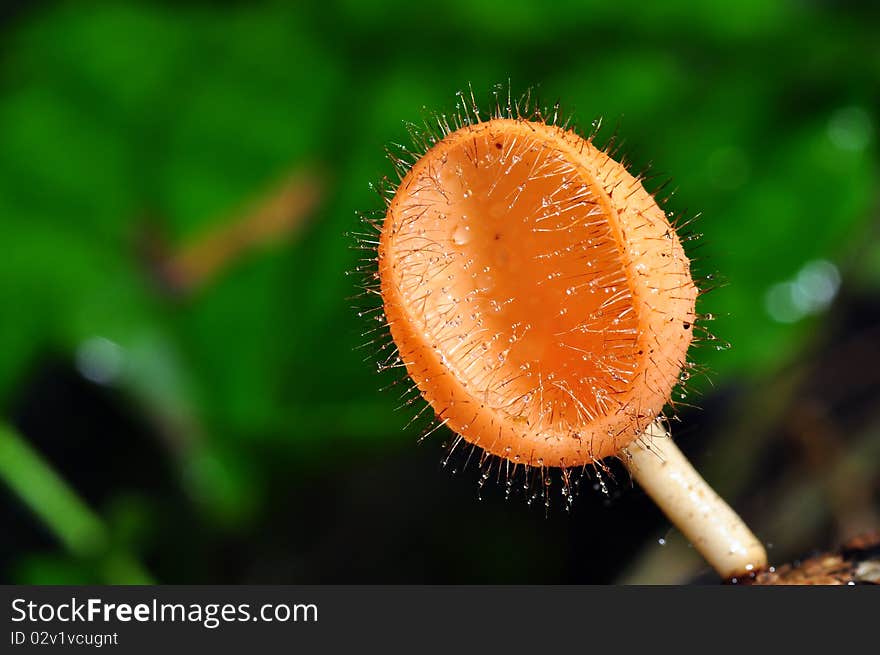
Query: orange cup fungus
x,y
537,294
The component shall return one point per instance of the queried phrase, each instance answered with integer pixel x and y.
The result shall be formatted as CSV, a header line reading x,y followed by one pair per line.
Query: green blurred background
x,y
182,399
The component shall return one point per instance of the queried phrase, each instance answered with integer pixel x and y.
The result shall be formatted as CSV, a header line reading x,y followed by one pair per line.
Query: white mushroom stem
x,y
692,505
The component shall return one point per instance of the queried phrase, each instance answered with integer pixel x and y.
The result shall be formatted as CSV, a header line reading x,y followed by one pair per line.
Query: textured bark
x,y
858,562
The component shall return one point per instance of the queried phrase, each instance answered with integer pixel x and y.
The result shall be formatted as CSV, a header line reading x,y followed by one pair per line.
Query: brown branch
x,y
276,215
858,562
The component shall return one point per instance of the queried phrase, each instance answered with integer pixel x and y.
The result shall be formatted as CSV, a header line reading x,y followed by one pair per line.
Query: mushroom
x,y
543,306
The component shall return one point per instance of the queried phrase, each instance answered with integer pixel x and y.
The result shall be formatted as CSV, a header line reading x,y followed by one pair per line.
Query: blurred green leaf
x,y
34,481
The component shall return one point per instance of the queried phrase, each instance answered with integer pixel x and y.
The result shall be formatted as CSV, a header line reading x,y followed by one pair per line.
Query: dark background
x,y
181,396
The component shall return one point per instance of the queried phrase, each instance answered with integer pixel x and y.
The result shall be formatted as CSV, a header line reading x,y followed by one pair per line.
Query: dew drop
x,y
461,235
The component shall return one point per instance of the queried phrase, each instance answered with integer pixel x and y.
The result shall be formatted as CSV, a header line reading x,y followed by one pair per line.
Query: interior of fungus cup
x,y
537,294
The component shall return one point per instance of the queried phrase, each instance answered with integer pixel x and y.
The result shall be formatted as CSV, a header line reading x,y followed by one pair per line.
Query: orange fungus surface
x,y
538,296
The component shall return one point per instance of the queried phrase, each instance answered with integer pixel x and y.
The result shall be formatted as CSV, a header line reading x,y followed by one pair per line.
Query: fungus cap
x,y
537,294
